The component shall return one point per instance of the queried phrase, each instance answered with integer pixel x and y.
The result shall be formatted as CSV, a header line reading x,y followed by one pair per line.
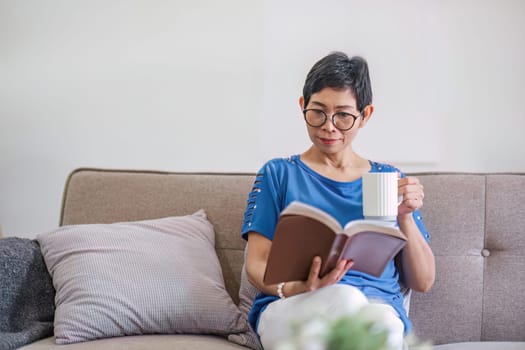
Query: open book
x,y
304,231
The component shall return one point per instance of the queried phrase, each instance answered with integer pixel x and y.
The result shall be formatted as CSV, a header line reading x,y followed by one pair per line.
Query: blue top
x,y
283,180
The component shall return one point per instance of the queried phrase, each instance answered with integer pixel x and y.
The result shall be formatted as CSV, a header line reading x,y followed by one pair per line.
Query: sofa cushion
x,y
247,293
480,345
457,242
154,276
504,256
141,342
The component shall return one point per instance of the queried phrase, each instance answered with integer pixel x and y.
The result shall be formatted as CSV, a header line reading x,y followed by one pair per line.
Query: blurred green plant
x,y
356,333
363,330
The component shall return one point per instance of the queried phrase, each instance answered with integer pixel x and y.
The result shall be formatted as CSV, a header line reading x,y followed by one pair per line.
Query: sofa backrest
x,y
476,223
477,228
106,196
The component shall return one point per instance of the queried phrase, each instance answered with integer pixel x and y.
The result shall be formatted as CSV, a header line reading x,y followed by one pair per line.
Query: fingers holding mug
x,y
412,192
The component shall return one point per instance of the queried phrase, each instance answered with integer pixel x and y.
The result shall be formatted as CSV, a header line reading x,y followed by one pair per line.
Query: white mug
x,y
380,196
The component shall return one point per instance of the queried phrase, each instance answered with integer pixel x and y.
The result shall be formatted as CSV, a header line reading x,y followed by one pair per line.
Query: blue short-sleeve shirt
x,y
283,180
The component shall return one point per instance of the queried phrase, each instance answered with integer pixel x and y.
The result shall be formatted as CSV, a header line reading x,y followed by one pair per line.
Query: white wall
x,y
213,86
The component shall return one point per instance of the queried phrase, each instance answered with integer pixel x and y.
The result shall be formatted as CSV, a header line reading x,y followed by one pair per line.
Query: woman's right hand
x,y
315,282
258,251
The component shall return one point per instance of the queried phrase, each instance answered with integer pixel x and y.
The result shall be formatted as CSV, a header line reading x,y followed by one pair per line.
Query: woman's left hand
x,y
412,192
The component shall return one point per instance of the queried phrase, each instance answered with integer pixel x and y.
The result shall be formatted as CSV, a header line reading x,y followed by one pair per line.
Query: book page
x,y
299,208
357,226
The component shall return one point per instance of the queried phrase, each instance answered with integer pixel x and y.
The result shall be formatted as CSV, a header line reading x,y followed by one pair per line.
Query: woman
x,y
336,104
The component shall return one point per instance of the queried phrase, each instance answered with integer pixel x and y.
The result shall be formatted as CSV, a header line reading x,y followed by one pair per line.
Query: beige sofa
x,y
476,222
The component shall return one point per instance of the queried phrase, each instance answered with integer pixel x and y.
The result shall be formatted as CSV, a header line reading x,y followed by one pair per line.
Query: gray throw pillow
x,y
26,294
156,276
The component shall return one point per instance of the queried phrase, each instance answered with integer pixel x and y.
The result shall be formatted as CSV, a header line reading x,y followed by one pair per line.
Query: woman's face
x,y
327,138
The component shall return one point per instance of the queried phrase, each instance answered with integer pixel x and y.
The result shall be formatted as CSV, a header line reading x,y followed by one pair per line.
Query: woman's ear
x,y
301,102
367,114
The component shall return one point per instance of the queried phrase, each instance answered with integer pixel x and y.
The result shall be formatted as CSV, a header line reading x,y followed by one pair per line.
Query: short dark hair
x,y
338,71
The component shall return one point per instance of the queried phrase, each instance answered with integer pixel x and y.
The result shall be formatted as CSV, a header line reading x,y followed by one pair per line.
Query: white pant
x,y
332,301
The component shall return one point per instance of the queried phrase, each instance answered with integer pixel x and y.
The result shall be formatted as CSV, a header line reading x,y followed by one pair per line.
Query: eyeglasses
x,y
342,120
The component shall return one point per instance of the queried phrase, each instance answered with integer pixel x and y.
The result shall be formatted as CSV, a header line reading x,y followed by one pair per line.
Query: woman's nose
x,y
329,125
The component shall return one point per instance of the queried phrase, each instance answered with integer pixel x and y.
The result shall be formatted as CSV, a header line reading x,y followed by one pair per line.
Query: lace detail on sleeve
x,y
252,200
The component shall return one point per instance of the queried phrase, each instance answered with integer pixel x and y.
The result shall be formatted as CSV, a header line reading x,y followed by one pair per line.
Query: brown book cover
x,y
304,231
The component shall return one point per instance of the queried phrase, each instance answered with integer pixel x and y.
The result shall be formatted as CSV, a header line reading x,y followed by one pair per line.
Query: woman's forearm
x,y
418,262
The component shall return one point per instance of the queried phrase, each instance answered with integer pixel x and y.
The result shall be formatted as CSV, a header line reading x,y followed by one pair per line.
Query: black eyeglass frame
x,y
333,118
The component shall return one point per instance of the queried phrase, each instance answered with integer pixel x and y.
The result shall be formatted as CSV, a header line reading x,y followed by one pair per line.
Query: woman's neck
x,y
340,167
